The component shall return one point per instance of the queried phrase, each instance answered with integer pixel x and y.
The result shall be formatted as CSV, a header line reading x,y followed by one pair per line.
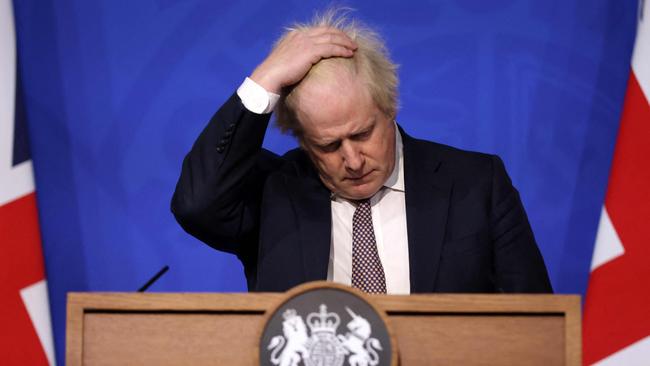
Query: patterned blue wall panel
x,y
115,93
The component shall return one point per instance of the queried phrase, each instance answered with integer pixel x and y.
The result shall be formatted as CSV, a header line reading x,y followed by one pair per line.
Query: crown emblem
x,y
323,321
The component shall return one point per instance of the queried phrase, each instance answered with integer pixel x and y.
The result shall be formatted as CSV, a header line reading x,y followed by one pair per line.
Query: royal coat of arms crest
x,y
315,342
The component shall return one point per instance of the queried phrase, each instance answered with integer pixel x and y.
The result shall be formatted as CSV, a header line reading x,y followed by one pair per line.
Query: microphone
x,y
153,279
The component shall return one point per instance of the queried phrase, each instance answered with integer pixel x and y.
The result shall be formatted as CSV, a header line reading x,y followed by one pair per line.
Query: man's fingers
x,y
331,50
330,35
339,39
292,58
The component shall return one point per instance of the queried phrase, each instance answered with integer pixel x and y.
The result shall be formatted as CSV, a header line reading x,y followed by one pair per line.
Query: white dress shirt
x,y
388,208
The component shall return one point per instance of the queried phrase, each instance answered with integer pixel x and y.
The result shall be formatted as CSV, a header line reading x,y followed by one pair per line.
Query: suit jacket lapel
x,y
428,191
311,200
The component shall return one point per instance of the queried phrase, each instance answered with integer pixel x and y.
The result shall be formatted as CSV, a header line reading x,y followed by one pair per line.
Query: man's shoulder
x,y
470,172
295,155
449,158
294,162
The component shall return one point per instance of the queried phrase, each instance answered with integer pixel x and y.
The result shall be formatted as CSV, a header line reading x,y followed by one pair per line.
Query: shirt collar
x,y
395,180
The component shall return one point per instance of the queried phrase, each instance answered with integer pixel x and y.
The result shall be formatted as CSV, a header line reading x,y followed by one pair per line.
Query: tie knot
x,y
363,203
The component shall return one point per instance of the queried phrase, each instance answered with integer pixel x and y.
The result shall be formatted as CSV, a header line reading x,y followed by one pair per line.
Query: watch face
x,y
325,326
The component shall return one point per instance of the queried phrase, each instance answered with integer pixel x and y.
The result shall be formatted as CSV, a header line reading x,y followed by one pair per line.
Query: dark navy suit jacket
x,y
467,228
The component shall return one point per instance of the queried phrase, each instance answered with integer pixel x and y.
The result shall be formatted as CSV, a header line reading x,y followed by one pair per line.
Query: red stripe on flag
x,y
617,306
21,265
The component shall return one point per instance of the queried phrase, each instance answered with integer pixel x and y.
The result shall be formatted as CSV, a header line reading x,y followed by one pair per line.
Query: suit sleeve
x,y
519,266
217,197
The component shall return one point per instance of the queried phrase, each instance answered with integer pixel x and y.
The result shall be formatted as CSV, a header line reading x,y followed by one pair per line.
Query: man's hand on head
x,y
294,56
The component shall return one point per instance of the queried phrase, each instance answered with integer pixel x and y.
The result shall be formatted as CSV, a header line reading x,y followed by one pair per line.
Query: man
x,y
361,202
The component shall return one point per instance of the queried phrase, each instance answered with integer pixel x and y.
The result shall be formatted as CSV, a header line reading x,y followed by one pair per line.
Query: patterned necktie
x,y
367,271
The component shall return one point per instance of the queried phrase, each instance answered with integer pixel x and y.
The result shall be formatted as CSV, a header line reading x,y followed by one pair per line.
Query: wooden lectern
x,y
224,329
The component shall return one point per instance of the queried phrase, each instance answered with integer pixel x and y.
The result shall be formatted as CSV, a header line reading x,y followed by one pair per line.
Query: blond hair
x,y
370,61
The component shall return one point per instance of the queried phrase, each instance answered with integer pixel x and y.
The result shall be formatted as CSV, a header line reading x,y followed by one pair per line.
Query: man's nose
x,y
352,157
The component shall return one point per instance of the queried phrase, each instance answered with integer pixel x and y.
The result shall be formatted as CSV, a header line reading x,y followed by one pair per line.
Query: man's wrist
x,y
255,98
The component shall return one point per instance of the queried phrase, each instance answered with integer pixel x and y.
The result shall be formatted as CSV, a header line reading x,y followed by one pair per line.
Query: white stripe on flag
x,y
37,304
635,354
641,57
7,79
608,244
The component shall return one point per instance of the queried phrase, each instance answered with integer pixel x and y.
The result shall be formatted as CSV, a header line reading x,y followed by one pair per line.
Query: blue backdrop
x,y
116,91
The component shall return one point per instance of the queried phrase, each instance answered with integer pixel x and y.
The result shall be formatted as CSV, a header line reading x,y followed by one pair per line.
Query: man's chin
x,y
360,192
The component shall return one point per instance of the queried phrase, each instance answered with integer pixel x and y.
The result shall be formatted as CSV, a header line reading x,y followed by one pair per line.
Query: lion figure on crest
x,y
295,337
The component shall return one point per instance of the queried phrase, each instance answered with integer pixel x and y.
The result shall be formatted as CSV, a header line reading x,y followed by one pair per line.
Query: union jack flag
x,y
617,307
25,330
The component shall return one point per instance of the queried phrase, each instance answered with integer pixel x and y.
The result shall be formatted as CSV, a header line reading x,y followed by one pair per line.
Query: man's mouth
x,y
360,177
